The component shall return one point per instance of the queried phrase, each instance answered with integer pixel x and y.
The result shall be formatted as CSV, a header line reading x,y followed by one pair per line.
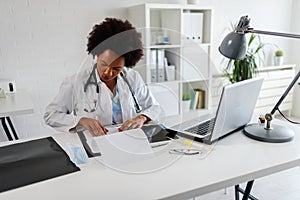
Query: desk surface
x,y
233,160
16,104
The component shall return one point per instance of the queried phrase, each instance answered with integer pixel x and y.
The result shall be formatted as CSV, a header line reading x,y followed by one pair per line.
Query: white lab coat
x,y
71,102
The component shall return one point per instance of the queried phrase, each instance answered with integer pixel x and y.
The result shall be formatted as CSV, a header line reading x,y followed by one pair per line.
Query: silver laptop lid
x,y
236,107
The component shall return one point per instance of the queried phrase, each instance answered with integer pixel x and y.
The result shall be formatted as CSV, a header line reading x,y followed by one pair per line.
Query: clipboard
x,y
157,134
86,147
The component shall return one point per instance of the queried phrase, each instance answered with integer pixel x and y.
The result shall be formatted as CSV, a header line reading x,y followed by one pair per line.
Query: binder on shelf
x,y
157,65
197,26
193,26
186,25
153,69
160,60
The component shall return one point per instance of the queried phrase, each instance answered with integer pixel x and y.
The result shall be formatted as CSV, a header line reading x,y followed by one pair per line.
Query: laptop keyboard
x,y
203,128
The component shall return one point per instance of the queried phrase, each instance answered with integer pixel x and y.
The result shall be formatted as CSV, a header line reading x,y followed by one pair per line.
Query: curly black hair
x,y
120,37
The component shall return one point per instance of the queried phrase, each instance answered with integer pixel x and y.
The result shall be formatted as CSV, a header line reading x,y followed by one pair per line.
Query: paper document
x,y
92,143
123,148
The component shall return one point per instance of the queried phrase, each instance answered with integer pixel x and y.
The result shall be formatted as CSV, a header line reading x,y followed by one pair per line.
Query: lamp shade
x,y
234,46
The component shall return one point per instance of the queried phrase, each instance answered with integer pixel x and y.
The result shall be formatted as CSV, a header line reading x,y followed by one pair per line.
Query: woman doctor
x,y
110,92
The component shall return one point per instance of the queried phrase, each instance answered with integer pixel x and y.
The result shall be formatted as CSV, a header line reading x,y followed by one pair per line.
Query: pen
x,y
158,145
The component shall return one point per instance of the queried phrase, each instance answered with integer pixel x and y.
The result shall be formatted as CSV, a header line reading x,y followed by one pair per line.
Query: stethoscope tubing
x,y
137,106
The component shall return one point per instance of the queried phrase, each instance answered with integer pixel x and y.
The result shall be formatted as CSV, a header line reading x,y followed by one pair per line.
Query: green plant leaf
x,y
252,37
260,46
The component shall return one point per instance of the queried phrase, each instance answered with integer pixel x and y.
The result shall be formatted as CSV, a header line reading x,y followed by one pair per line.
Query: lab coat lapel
x,y
105,105
125,98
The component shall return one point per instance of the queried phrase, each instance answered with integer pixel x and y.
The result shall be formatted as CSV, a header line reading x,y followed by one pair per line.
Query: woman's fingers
x,y
132,124
98,128
95,127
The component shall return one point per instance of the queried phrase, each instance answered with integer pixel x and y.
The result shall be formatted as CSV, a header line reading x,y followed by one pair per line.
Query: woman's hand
x,y
94,126
136,122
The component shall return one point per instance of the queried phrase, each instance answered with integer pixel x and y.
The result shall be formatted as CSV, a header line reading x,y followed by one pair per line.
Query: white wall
x,y
265,15
42,41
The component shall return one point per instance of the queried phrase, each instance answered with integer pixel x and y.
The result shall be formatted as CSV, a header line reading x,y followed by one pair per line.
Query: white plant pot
x,y
278,60
186,105
192,1
177,1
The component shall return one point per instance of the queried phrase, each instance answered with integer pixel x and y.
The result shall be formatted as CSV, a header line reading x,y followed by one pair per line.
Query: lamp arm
x,y
285,93
289,35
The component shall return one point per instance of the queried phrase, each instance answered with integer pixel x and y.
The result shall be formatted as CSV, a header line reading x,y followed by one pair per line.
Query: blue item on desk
x,y
79,156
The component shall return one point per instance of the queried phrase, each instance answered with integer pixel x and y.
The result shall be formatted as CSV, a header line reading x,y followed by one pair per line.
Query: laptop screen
x,y
236,107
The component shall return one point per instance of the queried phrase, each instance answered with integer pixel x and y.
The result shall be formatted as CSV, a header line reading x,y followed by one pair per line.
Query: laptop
x,y
235,109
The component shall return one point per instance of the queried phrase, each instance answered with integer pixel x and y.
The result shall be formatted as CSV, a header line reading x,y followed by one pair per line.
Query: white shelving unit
x,y
276,81
188,32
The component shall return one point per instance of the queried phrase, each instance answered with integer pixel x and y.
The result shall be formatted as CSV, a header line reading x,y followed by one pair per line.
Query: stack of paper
x,y
121,148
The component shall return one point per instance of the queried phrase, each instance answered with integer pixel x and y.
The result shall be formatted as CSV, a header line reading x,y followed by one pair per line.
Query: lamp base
x,y
277,134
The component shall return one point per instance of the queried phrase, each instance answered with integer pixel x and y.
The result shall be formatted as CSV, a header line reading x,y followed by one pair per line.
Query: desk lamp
x,y
234,47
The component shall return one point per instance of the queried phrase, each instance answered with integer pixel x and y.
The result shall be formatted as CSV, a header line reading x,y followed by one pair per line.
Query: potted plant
x,y
238,70
186,101
278,59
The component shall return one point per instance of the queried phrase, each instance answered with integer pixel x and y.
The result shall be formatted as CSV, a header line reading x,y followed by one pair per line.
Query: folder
x,y
160,65
153,65
157,65
193,26
196,26
33,161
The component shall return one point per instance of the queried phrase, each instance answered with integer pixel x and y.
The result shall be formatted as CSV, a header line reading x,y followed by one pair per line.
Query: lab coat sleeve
x,y
151,107
59,113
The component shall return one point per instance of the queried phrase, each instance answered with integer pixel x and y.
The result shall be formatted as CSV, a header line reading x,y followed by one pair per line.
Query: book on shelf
x,y
197,99
193,99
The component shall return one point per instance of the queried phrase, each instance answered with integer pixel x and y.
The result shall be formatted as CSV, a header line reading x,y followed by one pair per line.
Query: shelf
x,y
170,46
162,6
276,68
196,80
166,82
167,46
191,43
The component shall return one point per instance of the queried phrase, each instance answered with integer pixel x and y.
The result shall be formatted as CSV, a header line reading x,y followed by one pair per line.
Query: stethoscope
x,y
92,80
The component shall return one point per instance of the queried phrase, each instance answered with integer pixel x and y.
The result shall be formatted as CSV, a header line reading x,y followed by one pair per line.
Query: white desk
x,y
14,104
235,159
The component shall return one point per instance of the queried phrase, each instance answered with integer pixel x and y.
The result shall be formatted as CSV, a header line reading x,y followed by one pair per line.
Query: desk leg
x,y
12,128
246,192
237,192
6,129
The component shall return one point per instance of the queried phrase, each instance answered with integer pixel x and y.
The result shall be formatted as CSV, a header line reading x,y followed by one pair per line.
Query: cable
x,y
287,118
